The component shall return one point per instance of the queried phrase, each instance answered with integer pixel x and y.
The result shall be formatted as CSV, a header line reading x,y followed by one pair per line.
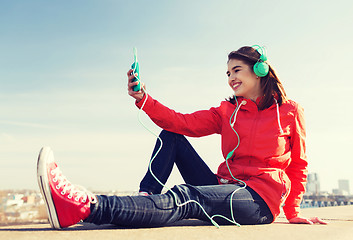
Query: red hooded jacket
x,y
271,155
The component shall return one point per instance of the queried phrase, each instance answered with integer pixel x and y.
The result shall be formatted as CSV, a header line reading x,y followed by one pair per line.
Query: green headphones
x,y
261,68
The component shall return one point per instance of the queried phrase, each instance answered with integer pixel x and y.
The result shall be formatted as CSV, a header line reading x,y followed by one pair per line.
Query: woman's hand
x,y
303,220
137,95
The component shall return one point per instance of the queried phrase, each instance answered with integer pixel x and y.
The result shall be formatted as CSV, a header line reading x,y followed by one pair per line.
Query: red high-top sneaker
x,y
66,203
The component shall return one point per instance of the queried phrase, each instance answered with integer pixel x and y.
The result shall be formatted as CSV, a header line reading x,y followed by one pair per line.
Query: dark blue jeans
x,y
202,186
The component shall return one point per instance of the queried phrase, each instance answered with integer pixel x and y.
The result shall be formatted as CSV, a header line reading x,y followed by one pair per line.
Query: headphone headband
x,y
262,51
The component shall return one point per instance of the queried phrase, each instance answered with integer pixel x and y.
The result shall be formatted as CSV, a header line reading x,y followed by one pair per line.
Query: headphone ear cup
x,y
261,69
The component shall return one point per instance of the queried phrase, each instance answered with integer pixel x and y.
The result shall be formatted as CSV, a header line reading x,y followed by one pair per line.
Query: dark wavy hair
x,y
270,84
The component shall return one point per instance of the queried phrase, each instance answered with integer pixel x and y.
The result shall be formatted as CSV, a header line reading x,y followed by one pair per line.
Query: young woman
x,y
263,143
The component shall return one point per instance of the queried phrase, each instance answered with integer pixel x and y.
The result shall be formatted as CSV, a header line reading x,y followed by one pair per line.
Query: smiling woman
x,y
263,144
244,82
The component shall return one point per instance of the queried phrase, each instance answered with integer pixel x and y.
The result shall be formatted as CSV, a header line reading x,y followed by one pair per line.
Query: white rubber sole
x,y
46,155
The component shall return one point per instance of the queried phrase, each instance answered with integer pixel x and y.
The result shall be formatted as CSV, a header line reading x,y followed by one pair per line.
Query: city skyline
x,y
313,186
63,80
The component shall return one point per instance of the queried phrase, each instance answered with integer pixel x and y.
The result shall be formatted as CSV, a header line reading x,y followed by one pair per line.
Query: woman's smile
x,y
235,85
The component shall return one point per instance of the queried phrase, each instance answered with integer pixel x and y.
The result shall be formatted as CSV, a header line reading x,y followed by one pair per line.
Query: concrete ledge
x,y
339,228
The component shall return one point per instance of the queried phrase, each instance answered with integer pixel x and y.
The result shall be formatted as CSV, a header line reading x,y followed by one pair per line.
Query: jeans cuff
x,y
94,209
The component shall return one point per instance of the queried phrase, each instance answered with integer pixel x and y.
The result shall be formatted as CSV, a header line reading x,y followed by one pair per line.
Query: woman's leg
x,y
160,209
66,204
176,149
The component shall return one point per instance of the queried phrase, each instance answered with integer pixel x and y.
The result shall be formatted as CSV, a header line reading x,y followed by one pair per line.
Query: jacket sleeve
x,y
197,124
297,170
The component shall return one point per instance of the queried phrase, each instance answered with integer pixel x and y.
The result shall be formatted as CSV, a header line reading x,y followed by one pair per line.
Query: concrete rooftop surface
x,y
340,227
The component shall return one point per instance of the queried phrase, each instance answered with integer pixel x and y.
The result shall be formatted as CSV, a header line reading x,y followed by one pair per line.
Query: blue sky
x,y
63,80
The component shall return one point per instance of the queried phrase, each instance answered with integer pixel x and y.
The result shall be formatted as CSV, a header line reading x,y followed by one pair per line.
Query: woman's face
x,y
243,80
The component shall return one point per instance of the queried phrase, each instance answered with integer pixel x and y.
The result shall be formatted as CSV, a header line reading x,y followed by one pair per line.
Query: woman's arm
x,y
197,124
297,173
297,170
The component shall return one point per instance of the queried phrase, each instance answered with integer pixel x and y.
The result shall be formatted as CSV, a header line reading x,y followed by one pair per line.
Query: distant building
x,y
31,199
313,184
337,191
343,186
15,200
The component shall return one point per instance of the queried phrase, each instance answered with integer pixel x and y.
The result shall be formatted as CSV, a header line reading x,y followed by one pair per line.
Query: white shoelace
x,y
68,187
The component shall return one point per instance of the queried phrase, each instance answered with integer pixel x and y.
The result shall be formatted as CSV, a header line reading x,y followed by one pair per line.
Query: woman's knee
x,y
167,134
